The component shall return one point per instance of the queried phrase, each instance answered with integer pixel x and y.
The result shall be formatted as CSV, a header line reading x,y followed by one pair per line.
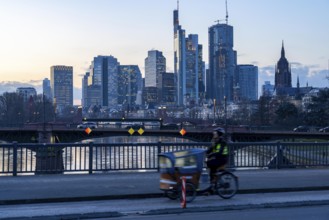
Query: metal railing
x,y
88,158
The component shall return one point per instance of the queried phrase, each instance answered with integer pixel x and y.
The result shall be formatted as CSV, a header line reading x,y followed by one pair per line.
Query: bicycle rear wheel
x,y
227,185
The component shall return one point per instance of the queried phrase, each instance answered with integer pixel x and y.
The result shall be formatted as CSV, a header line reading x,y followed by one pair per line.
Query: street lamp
x,y
225,111
214,111
44,112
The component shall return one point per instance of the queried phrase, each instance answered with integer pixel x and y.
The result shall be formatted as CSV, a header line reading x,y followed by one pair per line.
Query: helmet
x,y
220,131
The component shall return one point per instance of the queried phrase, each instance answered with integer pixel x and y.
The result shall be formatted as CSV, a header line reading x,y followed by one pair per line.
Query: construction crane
x,y
218,21
226,17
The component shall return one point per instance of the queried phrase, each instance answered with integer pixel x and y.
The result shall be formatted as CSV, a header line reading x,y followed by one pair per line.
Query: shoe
x,y
209,192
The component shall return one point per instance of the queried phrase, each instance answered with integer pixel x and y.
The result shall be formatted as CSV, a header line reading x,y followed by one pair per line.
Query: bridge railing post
x,y
278,155
15,158
159,152
90,158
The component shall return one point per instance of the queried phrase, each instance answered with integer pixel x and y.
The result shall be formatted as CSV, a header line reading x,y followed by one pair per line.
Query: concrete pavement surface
x,y
119,193
120,185
160,206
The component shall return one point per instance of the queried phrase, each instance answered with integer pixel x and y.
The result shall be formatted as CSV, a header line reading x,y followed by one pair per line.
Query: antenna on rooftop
x,y
226,12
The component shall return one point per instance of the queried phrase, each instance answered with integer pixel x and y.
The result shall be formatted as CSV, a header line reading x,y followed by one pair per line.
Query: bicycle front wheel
x,y
190,192
171,194
227,185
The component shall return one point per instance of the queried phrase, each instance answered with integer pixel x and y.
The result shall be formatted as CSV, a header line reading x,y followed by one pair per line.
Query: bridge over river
x,y
50,133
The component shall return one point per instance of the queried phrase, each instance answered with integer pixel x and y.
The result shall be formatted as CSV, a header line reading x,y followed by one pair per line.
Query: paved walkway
x,y
123,185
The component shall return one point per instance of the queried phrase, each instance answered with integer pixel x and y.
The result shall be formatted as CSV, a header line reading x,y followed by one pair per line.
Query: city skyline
x,y
35,37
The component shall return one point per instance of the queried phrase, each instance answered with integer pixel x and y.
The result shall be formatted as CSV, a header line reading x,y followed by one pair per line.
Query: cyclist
x,y
217,154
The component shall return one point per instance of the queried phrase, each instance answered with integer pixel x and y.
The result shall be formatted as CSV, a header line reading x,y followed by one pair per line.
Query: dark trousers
x,y
214,165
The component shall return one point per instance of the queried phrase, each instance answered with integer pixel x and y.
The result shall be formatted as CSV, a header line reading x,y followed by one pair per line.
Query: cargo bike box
x,y
174,165
189,164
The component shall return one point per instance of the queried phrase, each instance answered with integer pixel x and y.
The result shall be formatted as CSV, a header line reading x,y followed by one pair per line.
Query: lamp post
x,y
214,111
44,114
225,111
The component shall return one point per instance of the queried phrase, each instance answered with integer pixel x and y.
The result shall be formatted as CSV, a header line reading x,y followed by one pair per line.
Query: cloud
x,y
35,82
266,71
11,86
309,75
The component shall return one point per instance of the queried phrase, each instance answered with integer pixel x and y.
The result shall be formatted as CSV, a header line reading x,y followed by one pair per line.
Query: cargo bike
x,y
190,164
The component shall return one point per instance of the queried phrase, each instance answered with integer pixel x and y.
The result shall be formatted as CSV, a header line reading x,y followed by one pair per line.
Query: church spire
x,y
282,50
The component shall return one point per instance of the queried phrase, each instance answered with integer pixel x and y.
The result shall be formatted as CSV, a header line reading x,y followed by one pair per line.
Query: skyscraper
x,y
129,83
194,69
61,80
155,64
46,89
188,65
247,81
222,62
179,59
90,93
167,89
104,75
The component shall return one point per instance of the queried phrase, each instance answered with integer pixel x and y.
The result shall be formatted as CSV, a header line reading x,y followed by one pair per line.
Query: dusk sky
x,y
37,34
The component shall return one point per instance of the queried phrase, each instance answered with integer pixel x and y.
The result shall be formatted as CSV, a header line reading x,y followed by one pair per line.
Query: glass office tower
x,y
61,78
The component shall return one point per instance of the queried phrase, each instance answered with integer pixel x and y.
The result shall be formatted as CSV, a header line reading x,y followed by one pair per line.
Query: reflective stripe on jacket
x,y
217,149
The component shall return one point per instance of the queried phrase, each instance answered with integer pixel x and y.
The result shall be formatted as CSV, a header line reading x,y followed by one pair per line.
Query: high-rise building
x,y
26,92
282,74
90,93
104,76
84,99
155,64
150,96
188,65
194,70
61,80
167,89
46,89
222,62
247,82
129,83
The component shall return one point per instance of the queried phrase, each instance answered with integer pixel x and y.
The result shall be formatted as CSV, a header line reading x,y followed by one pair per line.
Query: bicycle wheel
x,y
190,193
227,185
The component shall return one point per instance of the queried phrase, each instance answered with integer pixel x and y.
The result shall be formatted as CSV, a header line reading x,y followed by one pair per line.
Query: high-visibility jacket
x,y
219,149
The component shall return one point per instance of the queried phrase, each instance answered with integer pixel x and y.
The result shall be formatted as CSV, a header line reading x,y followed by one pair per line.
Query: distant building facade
x,y
129,83
155,64
46,89
222,62
104,77
61,80
247,82
194,79
27,93
188,65
167,89
267,89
